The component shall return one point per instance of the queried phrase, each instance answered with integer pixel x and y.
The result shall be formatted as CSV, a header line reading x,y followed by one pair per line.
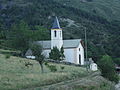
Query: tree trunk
x,y
41,65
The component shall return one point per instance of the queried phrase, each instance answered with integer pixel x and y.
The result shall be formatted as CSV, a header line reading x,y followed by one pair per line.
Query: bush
x,y
108,68
52,68
62,67
46,63
7,56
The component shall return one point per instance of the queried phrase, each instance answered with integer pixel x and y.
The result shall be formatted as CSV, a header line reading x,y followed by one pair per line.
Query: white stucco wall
x,y
93,67
58,40
46,52
30,57
69,55
80,51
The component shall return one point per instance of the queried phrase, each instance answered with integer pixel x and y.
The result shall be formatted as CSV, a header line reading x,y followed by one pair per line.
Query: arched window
x,y
55,33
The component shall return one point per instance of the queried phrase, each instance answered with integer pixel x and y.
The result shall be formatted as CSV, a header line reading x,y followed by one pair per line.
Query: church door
x,y
79,59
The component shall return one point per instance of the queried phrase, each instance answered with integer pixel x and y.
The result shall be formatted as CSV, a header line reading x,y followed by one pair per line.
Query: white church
x,y
73,49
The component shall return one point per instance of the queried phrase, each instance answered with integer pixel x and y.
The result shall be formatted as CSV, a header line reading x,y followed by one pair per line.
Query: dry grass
x,y
15,75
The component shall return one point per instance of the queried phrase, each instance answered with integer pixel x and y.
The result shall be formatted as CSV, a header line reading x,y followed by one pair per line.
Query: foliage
x,y
19,36
52,68
108,68
54,54
62,67
7,56
101,22
62,56
40,33
37,52
117,61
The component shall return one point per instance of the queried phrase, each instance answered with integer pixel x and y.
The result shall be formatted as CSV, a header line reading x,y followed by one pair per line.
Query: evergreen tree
x,y
62,56
19,36
54,54
40,33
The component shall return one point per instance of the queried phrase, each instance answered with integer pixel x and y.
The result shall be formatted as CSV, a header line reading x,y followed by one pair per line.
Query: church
x,y
73,48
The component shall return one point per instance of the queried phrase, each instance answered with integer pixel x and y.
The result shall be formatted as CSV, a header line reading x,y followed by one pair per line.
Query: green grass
x,y
14,74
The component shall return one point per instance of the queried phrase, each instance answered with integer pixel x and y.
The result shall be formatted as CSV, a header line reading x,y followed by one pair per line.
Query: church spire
x,y
56,35
56,24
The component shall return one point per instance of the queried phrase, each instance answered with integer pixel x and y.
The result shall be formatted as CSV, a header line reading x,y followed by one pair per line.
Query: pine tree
x,y
62,56
19,36
54,54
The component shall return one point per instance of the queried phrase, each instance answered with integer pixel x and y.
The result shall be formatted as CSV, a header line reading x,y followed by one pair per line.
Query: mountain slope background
x,y
101,19
108,9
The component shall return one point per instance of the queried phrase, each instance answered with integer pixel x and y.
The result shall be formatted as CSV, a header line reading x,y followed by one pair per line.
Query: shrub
x,y
108,68
46,63
7,56
52,68
62,67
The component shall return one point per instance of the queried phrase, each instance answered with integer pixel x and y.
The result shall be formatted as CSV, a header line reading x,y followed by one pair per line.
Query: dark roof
x,y
56,24
66,43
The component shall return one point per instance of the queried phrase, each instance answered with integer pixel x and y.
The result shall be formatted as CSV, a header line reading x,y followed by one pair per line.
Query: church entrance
x,y
79,59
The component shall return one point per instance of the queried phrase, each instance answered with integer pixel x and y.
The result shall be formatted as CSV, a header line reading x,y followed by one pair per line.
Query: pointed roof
x,y
29,52
56,24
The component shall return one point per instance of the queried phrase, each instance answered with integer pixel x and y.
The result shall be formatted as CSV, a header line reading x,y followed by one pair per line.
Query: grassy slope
x,y
14,74
109,9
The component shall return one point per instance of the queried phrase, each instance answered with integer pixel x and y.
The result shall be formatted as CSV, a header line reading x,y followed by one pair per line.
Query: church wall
x,y
80,51
70,55
56,40
46,52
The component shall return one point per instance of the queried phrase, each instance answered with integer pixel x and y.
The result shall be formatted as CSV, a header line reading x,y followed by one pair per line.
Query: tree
x,y
62,56
40,33
108,68
37,52
19,36
54,54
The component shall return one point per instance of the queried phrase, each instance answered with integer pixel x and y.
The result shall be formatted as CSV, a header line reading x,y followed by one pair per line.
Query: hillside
x,y
102,33
15,75
106,9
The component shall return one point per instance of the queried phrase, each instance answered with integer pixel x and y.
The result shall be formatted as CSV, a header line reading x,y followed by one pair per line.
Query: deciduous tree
x,y
107,68
37,52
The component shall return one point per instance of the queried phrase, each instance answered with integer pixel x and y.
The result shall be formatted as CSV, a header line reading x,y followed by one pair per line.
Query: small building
x,y
93,66
73,49
29,54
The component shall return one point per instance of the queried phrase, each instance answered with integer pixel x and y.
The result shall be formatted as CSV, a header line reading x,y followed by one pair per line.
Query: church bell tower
x,y
56,35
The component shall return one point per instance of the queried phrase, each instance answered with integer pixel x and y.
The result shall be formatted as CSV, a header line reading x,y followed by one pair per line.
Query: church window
x,y
55,33
79,49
